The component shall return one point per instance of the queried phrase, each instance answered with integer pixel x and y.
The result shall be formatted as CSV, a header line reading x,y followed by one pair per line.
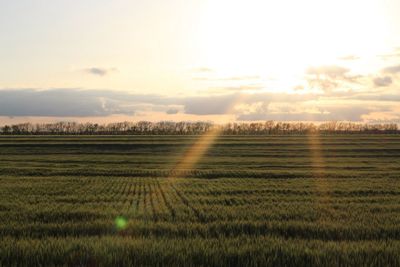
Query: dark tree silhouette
x,y
196,128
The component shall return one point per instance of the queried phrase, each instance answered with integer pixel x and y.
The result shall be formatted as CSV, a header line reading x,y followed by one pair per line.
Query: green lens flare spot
x,y
121,223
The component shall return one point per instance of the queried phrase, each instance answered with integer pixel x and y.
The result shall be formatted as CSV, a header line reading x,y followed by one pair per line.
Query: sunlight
x,y
283,38
200,133
196,152
322,204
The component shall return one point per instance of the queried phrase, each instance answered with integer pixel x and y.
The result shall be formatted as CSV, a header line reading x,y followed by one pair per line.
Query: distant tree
x,y
196,128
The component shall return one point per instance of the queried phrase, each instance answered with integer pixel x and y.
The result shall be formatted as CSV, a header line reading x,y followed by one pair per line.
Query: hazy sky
x,y
101,60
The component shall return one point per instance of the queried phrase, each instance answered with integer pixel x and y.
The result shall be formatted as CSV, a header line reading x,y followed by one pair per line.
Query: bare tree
x,y
196,128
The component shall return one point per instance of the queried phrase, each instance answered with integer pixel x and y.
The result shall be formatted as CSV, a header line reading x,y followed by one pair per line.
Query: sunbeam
x,y
321,184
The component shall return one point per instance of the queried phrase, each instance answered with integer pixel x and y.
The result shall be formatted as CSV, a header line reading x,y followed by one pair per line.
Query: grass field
x,y
249,201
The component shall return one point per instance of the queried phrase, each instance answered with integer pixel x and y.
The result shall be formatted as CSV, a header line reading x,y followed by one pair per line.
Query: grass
x,y
250,201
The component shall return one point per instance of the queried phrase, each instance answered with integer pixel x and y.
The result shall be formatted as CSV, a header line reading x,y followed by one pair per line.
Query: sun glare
x,y
281,39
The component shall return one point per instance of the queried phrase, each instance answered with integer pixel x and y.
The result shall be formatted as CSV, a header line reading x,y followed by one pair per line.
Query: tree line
x,y
194,128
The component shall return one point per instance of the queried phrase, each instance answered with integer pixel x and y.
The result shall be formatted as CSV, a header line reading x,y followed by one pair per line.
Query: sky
x,y
210,60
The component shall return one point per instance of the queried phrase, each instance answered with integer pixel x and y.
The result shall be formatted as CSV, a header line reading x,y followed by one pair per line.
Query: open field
x,y
250,201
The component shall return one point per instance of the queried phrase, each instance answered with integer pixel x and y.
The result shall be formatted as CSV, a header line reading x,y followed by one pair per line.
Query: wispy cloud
x,y
330,77
232,78
327,114
349,58
382,81
392,69
238,88
331,71
99,71
202,70
393,55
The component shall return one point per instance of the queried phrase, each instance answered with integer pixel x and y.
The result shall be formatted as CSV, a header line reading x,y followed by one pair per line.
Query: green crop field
x,y
246,201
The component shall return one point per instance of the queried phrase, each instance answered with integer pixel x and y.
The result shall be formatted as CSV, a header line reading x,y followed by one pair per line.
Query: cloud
x,y
392,69
330,77
61,102
236,78
382,81
298,87
172,111
202,70
99,71
330,71
245,106
208,105
228,104
241,78
349,58
377,97
390,56
322,114
78,103
233,78
201,79
391,116
327,85
247,87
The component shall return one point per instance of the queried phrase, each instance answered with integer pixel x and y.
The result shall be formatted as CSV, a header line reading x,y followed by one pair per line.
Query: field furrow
x,y
249,201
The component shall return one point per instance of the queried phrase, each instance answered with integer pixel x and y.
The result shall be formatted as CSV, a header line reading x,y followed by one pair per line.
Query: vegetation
x,y
196,128
272,200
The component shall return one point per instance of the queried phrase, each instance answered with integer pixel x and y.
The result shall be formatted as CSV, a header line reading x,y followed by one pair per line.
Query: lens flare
x,y
197,151
322,186
120,223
